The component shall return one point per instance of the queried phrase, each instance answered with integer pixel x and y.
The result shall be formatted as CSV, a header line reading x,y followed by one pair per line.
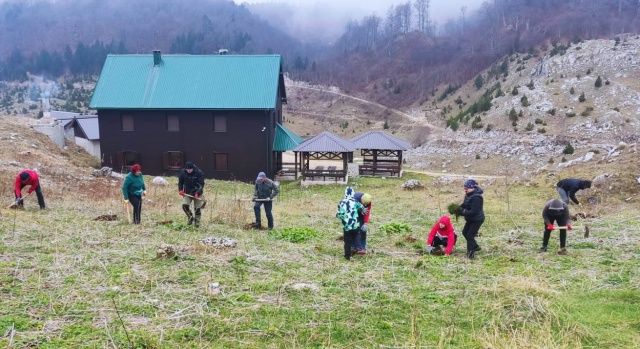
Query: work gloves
x,y
364,228
144,194
19,201
126,201
181,192
569,226
429,249
549,226
365,211
196,196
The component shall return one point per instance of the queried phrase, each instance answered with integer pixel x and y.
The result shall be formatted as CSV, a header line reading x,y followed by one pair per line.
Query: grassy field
x,y
68,281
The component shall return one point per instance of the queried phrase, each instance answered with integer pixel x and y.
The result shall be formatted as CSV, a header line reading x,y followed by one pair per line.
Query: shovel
x,y
204,202
126,205
15,203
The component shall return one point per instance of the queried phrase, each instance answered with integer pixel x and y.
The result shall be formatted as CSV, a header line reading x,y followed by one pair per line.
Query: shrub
x,y
572,90
552,111
607,82
550,160
538,121
542,130
588,71
294,235
489,128
524,101
477,156
530,85
514,91
479,82
568,149
570,114
395,228
616,109
513,115
582,97
598,82
529,127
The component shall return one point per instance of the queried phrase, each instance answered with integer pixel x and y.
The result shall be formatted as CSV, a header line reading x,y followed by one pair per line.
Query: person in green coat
x,y
133,190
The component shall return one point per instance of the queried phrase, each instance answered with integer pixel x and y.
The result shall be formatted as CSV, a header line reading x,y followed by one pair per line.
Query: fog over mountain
x,y
326,19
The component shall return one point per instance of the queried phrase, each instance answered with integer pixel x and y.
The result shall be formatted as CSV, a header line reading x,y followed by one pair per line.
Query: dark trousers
x,y
136,202
350,237
38,191
437,241
359,243
470,231
547,234
267,210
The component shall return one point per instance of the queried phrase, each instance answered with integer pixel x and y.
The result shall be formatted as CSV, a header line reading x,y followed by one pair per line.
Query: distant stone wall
x,y
92,147
55,132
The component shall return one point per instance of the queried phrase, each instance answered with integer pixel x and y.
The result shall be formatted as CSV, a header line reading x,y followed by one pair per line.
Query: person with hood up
x,y
133,189
348,211
191,188
30,178
442,235
265,191
568,187
558,212
473,213
359,245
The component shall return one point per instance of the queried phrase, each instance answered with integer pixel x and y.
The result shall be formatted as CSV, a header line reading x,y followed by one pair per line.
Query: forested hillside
x,y
400,59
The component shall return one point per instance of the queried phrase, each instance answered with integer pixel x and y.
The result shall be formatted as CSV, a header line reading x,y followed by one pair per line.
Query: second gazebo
x,y
381,153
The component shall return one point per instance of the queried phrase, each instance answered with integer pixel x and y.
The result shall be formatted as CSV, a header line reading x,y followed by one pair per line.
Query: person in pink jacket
x,y
442,235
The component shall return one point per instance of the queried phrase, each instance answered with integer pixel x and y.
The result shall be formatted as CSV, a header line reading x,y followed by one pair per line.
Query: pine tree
x,y
598,82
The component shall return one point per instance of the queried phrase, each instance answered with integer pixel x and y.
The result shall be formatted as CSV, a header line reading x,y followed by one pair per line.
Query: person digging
x,y
30,178
558,212
263,194
191,187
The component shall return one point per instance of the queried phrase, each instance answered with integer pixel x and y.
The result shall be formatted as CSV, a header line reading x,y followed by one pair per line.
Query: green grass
x,y
67,281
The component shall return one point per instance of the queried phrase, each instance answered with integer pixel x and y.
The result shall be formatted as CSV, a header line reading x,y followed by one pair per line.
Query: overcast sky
x,y
326,19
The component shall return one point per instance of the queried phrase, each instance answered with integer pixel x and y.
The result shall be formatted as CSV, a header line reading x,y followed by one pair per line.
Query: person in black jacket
x,y
568,187
190,187
472,210
556,211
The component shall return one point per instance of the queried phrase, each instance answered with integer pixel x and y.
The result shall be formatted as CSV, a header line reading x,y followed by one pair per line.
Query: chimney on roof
x,y
157,57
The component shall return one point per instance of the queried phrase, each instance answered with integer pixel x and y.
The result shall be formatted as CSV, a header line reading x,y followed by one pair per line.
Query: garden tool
x,y
204,202
586,229
128,208
15,203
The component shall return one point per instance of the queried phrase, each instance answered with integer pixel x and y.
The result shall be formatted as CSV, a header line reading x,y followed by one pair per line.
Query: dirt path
x,y
446,174
414,119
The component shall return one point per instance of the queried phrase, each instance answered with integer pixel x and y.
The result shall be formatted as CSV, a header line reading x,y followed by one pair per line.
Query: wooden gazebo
x,y
285,140
381,152
325,146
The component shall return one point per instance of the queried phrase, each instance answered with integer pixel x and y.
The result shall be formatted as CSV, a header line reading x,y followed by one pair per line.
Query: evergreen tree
x,y
598,82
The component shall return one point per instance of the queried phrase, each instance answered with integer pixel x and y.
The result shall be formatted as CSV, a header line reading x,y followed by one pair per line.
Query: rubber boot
x,y
198,215
187,211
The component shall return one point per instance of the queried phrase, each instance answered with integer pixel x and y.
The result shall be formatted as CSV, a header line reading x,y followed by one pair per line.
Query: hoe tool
x,y
15,203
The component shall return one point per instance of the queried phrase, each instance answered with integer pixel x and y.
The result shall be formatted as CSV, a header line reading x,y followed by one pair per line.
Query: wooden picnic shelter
x,y
325,146
381,153
285,140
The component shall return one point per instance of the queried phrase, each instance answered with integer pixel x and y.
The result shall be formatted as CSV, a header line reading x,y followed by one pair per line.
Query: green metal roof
x,y
189,82
285,139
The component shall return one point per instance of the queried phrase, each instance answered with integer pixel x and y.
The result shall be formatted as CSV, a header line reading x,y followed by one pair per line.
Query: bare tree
x,y
422,14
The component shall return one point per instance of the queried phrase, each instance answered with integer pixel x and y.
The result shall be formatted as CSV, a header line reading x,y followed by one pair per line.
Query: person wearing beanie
x,y
442,235
359,245
348,211
264,192
191,188
30,178
133,189
558,212
568,187
473,213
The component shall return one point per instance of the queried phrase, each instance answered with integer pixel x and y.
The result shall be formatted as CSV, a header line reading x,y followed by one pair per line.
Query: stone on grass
x,y
412,184
159,181
165,251
218,242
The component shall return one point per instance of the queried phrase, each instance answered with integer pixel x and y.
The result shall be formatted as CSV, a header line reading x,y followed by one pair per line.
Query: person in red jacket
x,y
359,245
24,178
442,234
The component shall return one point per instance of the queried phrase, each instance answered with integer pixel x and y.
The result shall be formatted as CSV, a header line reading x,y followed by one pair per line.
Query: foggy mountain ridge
x,y
392,58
